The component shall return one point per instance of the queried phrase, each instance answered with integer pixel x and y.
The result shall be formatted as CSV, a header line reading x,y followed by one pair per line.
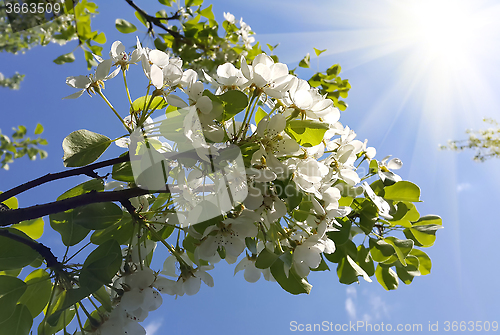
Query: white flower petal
x,y
75,95
158,58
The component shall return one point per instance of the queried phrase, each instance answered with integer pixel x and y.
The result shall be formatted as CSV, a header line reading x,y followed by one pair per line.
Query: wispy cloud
x,y
153,327
373,308
350,305
463,186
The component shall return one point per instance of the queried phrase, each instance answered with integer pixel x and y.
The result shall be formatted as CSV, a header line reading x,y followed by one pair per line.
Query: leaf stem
x,y
126,87
114,110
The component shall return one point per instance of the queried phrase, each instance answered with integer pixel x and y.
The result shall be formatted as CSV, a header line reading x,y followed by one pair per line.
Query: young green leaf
x,y
66,58
38,129
83,147
33,228
402,191
318,52
124,26
307,133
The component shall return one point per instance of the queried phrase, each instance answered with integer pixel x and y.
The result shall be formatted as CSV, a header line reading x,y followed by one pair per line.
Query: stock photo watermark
x,y
363,326
26,14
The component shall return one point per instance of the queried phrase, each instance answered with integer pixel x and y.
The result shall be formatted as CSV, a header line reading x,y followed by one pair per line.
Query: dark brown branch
x,y
13,216
130,208
86,170
44,251
153,20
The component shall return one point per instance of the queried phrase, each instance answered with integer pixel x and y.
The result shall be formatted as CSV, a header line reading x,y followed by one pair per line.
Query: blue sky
x,y
414,86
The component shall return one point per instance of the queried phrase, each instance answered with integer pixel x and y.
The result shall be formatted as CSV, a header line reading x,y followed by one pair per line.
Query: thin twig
x,y
153,20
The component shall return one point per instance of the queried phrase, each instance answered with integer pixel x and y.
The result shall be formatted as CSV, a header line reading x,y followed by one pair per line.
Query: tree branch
x,y
86,170
153,20
13,216
44,251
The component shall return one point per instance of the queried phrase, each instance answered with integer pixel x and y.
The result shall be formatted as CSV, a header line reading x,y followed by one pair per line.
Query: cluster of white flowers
x,y
279,164
138,297
244,31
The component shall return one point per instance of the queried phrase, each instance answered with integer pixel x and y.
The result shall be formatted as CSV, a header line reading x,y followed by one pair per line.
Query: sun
x,y
443,34
439,28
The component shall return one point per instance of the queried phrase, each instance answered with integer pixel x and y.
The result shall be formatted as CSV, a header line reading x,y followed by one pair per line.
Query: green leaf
x,y
66,300
83,147
103,297
124,26
119,231
234,101
303,212
345,201
410,271
402,191
12,202
341,105
348,271
11,289
38,292
166,2
88,186
190,3
259,115
333,70
100,38
406,212
387,277
207,12
319,52
423,231
425,235
71,233
123,172
429,220
38,129
97,216
365,261
380,250
11,273
307,133
265,259
306,61
58,323
33,228
424,261
342,235
141,18
342,251
373,166
291,283
101,266
19,323
289,192
157,102
402,247
13,254
66,58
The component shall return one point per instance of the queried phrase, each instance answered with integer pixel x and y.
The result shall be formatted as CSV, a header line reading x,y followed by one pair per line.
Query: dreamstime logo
x,y
171,154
